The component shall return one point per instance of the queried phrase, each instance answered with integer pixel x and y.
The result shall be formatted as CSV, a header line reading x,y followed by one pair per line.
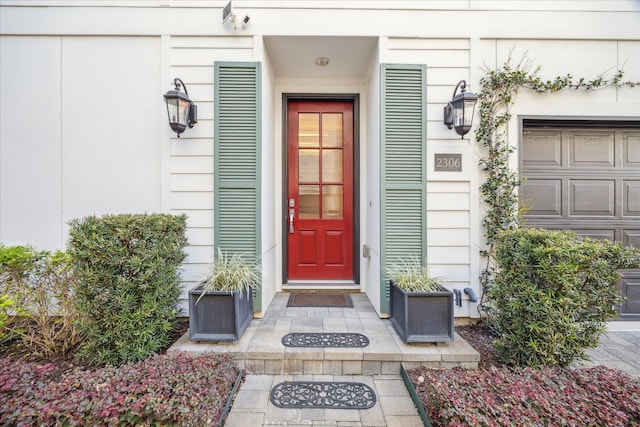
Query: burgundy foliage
x,y
596,396
171,389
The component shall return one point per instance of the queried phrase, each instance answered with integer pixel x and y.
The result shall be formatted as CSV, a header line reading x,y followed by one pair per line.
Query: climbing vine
x,y
499,89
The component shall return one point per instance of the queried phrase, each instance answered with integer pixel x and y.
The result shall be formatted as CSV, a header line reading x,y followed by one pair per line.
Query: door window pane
x,y
309,130
332,130
332,201
332,166
308,165
309,201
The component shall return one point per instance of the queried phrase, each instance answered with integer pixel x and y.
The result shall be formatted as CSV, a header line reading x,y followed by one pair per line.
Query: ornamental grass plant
x,y
411,276
232,273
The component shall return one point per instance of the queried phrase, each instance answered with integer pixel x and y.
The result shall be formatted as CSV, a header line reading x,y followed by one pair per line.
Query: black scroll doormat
x,y
319,299
322,395
325,339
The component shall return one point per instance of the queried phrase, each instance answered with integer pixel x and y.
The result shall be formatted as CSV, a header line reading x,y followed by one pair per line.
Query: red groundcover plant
x,y
596,396
176,389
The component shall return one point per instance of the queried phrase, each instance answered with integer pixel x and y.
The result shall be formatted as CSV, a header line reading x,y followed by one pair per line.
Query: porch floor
x,y
260,350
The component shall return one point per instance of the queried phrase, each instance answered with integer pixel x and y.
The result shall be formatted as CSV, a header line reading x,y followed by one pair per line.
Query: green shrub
x,y
553,294
128,283
40,287
162,390
5,304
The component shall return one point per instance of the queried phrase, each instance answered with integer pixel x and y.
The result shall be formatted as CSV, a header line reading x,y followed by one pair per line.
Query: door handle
x,y
291,215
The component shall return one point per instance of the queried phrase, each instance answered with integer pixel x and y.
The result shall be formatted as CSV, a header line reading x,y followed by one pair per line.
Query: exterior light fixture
x,y
181,110
458,113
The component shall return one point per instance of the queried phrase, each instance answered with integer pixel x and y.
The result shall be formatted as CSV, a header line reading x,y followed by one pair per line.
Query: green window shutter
x,y
237,173
403,167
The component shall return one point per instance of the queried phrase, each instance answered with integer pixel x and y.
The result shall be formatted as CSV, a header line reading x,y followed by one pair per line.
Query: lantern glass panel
x,y
183,112
172,109
178,110
458,114
469,106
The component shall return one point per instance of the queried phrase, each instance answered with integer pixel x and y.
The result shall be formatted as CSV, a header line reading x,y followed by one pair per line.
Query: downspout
x,y
471,293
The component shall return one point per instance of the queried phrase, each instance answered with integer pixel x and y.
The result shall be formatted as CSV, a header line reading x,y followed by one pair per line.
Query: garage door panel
x,y
631,150
631,198
542,196
598,234
592,149
588,184
592,197
631,237
630,287
542,148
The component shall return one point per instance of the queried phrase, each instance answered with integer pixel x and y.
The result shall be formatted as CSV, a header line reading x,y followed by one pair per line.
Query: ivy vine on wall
x,y
497,96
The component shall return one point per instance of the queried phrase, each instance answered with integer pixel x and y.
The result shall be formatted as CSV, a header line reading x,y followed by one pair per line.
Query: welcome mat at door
x,y
319,299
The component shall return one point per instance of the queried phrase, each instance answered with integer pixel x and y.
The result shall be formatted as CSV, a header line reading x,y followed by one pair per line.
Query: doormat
x,y
319,299
322,395
325,339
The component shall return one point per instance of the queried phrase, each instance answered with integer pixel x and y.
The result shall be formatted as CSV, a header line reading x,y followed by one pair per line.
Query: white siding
x,y
191,165
449,232
449,207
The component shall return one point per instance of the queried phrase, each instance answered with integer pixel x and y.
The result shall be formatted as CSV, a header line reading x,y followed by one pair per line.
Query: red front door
x,y
320,190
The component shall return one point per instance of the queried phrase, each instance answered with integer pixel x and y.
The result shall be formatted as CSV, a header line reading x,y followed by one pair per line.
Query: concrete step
x,y
260,350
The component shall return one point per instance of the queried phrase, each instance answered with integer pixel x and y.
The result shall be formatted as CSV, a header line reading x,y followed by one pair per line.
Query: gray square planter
x,y
219,316
422,316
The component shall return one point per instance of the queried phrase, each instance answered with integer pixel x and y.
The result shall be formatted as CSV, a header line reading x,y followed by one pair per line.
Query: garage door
x,y
585,177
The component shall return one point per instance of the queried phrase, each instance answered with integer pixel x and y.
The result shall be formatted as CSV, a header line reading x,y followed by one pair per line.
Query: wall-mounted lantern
x,y
181,110
458,113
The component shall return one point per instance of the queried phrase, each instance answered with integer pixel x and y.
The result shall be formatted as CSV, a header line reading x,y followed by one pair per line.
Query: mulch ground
x,y
481,339
65,362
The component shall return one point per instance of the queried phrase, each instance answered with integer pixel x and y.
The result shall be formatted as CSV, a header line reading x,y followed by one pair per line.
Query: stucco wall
x,y
78,132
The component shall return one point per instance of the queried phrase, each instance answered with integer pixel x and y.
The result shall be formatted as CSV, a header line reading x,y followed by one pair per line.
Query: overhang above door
x,y
296,56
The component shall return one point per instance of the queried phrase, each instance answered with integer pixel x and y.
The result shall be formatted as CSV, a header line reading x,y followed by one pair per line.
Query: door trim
x,y
355,98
